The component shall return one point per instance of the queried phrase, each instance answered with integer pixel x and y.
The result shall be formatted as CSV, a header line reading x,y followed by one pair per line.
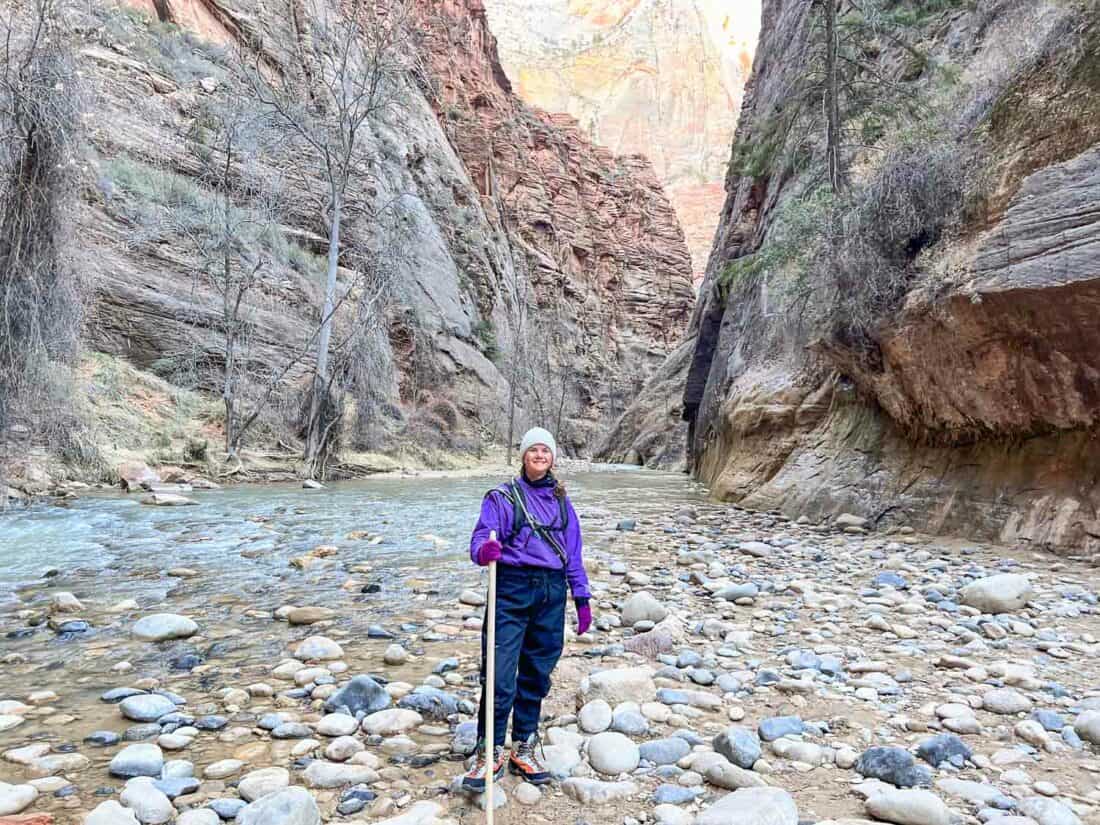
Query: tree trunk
x,y
316,429
832,98
230,352
512,407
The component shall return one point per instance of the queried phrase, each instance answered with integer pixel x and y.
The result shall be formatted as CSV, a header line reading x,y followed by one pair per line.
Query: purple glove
x,y
584,618
488,552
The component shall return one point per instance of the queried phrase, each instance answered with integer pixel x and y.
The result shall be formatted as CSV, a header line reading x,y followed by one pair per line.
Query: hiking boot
x,y
474,781
525,761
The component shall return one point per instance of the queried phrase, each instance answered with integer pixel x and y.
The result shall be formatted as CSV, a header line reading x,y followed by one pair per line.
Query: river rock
x,y
595,716
64,602
392,721
1087,726
321,774
15,798
642,607
1006,702
776,727
309,615
337,724
318,649
1003,593
149,804
908,807
137,760
111,813
199,816
160,627
612,753
633,684
739,745
259,783
893,765
146,707
223,769
289,806
421,813
727,775
664,751
595,792
944,748
395,655
560,760
1047,811
362,695
751,806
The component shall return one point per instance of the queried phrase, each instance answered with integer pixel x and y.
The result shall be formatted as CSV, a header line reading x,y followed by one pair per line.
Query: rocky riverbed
x,y
744,670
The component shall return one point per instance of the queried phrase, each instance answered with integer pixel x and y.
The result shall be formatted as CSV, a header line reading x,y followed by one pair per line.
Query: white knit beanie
x,y
537,435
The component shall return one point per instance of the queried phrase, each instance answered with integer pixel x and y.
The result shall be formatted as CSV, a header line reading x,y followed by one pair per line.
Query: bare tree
x,y
41,298
347,71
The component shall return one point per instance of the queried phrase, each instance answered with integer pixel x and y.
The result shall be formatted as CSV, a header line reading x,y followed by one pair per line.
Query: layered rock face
x,y
972,408
502,204
662,78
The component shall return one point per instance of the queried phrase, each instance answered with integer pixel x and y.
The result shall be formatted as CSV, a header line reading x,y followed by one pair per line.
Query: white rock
x,y
395,655
527,794
751,806
612,753
421,813
289,806
199,816
343,748
908,807
337,724
672,815
1003,593
1087,726
642,606
1006,701
149,804
321,774
15,798
594,792
64,602
392,721
634,684
223,769
1047,811
595,717
259,783
318,649
111,813
162,626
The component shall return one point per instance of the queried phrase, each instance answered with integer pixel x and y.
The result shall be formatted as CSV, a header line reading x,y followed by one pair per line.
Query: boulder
x,y
908,807
612,753
362,695
642,607
163,626
634,684
1003,593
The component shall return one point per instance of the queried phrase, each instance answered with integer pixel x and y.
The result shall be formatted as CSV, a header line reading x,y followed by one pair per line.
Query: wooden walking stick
x,y
490,685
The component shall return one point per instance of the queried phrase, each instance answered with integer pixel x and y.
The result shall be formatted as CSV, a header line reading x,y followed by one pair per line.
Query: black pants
x,y
530,631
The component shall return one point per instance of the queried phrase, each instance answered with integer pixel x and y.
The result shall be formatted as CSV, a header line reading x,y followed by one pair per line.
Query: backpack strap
x,y
541,530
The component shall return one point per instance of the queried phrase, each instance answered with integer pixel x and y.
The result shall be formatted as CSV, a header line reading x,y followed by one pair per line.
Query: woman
x,y
539,554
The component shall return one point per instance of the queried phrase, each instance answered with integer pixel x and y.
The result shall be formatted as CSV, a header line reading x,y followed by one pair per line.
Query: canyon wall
x,y
970,402
662,78
501,205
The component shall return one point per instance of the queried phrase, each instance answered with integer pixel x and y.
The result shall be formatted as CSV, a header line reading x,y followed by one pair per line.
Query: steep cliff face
x,y
501,204
662,78
970,403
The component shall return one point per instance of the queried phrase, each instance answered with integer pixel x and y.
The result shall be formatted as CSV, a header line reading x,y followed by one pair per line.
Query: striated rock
x,y
643,78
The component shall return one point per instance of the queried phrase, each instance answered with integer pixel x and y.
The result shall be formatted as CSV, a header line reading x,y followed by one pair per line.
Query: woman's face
x,y
537,461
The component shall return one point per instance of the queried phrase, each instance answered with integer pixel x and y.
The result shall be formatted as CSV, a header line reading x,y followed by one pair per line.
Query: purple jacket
x,y
526,548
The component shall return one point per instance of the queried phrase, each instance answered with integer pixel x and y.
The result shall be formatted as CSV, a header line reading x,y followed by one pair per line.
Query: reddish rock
x,y
27,819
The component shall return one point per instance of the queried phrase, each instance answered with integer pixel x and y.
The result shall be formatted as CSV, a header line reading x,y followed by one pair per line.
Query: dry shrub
x,y
40,292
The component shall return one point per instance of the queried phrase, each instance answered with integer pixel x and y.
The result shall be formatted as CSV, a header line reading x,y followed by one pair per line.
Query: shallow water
x,y
239,542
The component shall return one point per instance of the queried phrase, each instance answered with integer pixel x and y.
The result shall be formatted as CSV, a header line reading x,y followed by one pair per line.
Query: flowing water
x,y
396,550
